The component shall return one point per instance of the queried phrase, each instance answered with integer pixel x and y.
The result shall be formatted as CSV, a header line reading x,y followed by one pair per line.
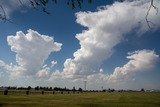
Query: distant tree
x,y
44,88
80,90
142,90
29,87
57,89
104,90
50,88
37,88
111,90
47,88
12,88
65,89
40,88
74,89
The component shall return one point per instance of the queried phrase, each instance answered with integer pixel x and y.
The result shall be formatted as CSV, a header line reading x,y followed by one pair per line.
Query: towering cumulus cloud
x,y
107,28
31,49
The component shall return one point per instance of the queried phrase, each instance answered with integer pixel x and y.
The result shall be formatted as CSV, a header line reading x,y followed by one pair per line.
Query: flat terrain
x,y
99,99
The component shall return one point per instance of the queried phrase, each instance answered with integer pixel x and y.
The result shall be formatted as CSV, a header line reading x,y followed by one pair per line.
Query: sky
x,y
106,43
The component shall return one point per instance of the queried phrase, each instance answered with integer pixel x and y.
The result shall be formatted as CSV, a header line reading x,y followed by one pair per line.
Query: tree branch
x,y
147,20
3,16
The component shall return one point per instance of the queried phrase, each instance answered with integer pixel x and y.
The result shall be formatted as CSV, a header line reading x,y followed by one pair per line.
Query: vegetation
x,y
87,99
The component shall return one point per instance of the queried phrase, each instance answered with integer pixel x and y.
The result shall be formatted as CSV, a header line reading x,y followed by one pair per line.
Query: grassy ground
x,y
101,99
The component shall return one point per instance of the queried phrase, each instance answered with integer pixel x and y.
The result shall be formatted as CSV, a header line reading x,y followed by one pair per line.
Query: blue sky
x,y
90,46
60,24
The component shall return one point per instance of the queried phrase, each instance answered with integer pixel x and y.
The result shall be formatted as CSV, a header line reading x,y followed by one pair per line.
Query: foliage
x,y
43,4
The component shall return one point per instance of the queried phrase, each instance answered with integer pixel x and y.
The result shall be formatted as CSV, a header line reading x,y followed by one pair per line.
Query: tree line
x,y
38,88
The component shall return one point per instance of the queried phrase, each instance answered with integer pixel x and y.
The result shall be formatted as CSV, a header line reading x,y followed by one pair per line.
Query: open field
x,y
99,99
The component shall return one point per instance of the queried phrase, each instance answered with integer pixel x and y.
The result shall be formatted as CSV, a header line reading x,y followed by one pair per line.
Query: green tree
x,y
29,87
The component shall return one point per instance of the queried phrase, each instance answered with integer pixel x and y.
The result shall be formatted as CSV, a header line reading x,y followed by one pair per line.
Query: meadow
x,y
86,99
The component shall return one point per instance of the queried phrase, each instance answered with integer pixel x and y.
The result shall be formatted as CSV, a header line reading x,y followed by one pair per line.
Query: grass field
x,y
101,99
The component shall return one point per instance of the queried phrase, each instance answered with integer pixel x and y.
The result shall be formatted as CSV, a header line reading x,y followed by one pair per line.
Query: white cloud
x,y
44,66
45,72
9,70
31,49
2,63
106,29
53,63
2,68
139,61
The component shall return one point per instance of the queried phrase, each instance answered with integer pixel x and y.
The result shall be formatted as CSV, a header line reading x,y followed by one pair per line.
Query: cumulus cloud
x,y
32,49
10,69
2,67
139,61
45,72
107,28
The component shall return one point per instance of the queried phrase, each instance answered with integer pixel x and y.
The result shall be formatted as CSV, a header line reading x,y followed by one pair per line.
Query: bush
x,y
42,92
27,92
5,92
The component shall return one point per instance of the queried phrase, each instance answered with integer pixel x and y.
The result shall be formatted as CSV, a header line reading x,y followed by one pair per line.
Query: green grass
x,y
124,99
